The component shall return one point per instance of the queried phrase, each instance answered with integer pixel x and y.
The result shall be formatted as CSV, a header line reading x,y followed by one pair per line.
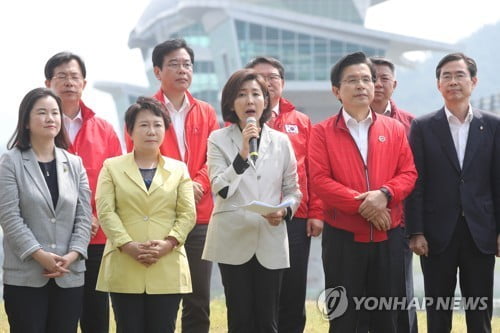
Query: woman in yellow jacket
x,y
145,204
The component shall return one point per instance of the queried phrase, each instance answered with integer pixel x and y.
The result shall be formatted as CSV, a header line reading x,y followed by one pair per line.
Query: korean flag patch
x,y
291,129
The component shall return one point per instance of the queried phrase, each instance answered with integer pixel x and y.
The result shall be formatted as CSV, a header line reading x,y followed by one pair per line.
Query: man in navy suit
x,y
453,215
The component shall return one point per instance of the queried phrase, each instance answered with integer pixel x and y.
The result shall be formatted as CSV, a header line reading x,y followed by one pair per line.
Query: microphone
x,y
253,141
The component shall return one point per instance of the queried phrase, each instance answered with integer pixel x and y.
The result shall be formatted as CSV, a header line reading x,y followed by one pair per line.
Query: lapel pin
x,y
481,127
381,138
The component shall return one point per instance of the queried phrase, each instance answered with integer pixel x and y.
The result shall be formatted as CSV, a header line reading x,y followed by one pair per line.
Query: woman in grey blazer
x,y
45,215
251,249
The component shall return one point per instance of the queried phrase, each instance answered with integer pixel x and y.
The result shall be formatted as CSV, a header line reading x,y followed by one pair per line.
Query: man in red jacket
x,y
362,167
94,140
186,140
308,220
383,104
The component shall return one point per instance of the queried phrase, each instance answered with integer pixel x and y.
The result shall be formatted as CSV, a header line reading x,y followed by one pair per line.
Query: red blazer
x,y
95,142
338,172
298,126
201,120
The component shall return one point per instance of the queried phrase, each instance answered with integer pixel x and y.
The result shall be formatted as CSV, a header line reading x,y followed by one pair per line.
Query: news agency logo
x,y
333,303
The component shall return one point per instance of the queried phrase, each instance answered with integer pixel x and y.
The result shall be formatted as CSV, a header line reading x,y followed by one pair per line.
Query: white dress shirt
x,y
276,109
359,131
459,132
178,118
73,126
387,111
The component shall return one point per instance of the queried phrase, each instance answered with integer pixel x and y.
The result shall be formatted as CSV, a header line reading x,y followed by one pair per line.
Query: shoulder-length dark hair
x,y
231,90
21,138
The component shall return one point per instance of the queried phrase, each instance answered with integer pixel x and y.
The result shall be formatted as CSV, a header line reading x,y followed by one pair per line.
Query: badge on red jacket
x,y
291,129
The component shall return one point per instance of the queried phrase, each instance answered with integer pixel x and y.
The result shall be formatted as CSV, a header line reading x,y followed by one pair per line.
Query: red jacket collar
x,y
286,105
394,108
161,97
87,113
340,122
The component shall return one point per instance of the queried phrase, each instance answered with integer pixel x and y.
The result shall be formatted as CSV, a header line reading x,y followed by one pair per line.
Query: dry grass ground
x,y
315,322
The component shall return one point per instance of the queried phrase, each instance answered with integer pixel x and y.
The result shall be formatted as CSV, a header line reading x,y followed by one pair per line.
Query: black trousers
x,y
292,310
95,310
252,297
364,270
140,313
476,271
47,309
196,305
406,318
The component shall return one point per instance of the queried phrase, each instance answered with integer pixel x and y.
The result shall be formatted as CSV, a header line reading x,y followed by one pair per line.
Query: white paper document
x,y
264,208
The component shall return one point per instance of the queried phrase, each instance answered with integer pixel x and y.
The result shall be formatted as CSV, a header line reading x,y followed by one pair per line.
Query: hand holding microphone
x,y
250,136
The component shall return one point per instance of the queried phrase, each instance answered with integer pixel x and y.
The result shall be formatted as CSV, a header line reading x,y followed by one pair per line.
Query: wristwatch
x,y
387,194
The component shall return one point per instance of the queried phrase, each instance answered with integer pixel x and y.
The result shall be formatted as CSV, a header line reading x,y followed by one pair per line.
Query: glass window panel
x,y
319,45
304,75
255,32
336,47
241,30
303,37
288,36
271,33
350,48
321,75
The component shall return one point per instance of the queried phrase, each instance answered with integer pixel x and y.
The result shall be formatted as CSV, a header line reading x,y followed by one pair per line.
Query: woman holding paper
x,y
251,249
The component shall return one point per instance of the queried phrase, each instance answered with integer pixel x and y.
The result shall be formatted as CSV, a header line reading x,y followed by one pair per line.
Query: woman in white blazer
x,y
45,215
251,249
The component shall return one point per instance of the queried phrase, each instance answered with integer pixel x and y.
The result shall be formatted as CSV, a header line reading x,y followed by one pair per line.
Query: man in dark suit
x,y
453,215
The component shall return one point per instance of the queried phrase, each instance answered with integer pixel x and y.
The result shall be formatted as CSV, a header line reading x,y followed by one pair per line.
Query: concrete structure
x,y
307,36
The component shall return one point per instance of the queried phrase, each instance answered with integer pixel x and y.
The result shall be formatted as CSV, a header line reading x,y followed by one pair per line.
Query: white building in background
x,y
307,36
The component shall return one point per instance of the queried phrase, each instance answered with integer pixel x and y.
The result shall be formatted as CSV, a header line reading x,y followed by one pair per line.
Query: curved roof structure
x,y
308,37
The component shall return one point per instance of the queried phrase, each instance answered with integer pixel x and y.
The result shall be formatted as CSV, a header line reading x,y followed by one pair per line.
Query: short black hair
x,y
145,103
348,60
63,58
168,46
267,60
380,61
231,90
21,138
471,63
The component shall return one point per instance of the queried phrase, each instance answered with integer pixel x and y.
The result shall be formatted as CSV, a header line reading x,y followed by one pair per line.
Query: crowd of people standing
x,y
86,225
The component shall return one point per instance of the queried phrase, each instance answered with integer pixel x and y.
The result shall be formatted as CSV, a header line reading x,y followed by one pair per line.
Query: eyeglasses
x,y
383,79
177,65
353,81
271,77
447,77
68,77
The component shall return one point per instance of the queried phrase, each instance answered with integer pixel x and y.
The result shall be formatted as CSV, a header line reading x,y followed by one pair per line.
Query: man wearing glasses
x,y
186,140
361,166
94,140
453,216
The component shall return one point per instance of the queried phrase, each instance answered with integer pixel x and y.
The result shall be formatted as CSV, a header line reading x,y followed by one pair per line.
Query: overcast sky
x,y
98,30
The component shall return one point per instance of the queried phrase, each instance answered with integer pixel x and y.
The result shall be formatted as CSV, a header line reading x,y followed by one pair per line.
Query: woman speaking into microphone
x,y
251,248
